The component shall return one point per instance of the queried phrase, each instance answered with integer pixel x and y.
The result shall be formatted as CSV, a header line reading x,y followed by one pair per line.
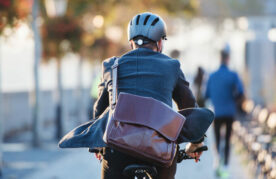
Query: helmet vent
x,y
146,19
137,20
131,22
155,21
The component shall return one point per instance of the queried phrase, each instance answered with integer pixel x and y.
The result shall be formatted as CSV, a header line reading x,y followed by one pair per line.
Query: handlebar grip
x,y
93,150
201,149
184,156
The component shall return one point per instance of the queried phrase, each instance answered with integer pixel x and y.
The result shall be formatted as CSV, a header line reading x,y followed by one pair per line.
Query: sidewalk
x,y
50,162
22,161
75,164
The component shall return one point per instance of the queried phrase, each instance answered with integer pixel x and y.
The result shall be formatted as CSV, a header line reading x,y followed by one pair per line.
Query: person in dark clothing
x,y
198,84
144,71
223,88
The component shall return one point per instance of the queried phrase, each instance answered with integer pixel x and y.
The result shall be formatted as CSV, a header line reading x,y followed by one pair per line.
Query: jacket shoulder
x,y
170,60
107,64
234,73
106,68
174,64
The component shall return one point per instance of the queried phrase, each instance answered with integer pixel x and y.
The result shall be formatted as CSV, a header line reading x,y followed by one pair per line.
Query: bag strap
x,y
114,82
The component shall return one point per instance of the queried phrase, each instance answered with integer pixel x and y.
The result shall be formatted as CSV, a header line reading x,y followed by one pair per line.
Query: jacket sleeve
x,y
238,86
102,102
182,94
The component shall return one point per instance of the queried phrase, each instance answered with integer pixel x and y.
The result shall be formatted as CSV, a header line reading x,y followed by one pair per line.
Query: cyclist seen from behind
x,y
144,71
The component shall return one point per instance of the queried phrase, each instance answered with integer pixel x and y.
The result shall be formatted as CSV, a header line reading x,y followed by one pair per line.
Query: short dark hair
x,y
224,55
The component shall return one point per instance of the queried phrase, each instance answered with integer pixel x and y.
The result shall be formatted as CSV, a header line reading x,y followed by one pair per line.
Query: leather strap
x,y
114,82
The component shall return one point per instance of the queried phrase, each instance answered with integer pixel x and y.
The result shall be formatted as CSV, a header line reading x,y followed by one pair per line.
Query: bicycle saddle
x,y
139,170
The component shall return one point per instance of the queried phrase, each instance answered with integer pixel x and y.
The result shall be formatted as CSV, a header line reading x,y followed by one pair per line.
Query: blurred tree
x,y
60,35
96,17
36,120
104,7
1,117
12,12
118,13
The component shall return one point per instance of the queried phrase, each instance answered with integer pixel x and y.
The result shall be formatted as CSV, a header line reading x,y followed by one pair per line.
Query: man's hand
x,y
98,156
190,148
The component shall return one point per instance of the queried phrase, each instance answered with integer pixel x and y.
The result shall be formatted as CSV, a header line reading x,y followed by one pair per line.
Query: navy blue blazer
x,y
146,73
141,72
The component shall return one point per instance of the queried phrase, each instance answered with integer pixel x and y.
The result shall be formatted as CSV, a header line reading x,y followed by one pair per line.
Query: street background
x,y
47,162
50,63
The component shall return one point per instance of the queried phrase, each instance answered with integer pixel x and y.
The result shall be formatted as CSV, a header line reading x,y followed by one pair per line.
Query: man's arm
x,y
184,98
102,102
182,94
238,86
238,93
103,98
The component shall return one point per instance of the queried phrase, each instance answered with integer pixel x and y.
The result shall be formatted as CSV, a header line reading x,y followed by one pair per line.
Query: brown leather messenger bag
x,y
142,126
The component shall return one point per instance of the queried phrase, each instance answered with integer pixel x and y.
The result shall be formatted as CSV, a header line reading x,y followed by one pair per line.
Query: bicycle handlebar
x,y
184,156
201,149
181,156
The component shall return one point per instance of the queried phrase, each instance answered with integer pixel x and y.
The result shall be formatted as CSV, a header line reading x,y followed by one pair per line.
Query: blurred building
x,y
257,18
261,60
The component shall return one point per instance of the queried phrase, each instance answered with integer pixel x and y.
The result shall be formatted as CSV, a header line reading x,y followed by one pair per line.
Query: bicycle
x,y
138,171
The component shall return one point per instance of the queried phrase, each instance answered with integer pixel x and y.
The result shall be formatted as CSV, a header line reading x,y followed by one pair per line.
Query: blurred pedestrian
x,y
224,88
198,87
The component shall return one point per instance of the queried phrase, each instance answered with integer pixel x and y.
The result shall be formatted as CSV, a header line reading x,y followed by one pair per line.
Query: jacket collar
x,y
223,66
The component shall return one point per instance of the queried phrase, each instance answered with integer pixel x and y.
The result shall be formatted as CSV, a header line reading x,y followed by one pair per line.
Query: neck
x,y
153,49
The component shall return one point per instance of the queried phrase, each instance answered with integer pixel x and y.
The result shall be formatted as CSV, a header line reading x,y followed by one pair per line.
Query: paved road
x,y
49,162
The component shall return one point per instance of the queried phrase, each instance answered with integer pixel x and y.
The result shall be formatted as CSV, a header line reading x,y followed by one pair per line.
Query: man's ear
x,y
131,44
160,45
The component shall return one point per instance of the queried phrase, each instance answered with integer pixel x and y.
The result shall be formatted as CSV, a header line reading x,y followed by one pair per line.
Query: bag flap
x,y
155,114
